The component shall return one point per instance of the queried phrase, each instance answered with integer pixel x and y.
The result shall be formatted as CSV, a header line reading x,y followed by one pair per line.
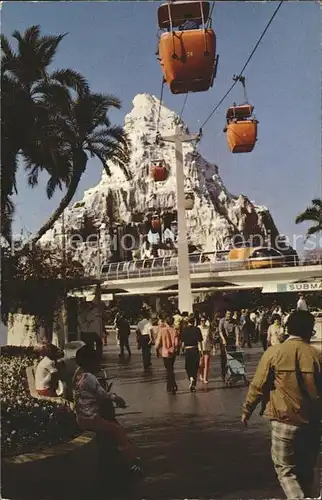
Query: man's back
x,y
124,327
144,326
302,305
296,382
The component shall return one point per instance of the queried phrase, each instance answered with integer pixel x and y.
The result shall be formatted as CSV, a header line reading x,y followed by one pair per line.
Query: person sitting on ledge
x,y
46,376
94,407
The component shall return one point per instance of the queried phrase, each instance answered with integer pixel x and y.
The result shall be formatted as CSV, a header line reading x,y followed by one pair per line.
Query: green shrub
x,y
29,424
19,350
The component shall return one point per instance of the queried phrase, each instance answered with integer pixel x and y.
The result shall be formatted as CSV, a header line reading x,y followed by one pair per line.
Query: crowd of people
x,y
198,336
287,382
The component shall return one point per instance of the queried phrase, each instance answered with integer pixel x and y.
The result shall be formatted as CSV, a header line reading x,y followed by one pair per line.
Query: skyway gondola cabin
x,y
187,50
241,128
159,171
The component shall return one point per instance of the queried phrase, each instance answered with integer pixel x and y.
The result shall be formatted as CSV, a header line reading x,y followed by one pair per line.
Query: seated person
x,y
46,376
94,406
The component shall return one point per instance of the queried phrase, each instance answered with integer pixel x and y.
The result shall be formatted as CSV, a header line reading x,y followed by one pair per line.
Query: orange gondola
x,y
176,13
159,171
241,128
242,136
187,55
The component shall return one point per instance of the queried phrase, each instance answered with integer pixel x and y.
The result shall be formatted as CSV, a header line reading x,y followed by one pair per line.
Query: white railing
x,y
199,263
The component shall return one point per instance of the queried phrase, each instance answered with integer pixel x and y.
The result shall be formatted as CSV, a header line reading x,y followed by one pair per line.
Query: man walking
x,y
124,335
288,382
301,303
144,333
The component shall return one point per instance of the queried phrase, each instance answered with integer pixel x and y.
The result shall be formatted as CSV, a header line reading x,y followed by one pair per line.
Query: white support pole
x,y
184,281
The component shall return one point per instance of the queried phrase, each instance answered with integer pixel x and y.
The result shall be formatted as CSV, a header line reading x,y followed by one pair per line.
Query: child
x,y
91,406
46,376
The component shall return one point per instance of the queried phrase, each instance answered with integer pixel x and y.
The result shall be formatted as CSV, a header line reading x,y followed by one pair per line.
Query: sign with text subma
x,y
310,286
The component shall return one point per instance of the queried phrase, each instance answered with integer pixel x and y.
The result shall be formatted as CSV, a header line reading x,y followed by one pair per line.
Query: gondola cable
x,y
159,111
238,78
183,106
207,26
210,15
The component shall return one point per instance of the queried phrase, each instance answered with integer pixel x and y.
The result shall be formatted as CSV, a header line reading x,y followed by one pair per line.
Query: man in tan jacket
x,y
288,383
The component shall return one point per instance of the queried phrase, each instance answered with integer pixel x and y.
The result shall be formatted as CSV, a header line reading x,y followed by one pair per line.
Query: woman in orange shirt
x,y
168,342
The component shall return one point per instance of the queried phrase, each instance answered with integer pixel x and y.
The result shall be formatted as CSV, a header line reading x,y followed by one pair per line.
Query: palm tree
x,y
312,214
85,131
29,93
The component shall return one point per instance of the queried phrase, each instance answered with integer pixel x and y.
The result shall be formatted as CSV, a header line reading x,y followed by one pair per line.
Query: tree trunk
x,y
58,212
80,162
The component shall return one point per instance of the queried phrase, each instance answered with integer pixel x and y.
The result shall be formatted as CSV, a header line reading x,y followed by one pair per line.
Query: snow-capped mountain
x,y
116,204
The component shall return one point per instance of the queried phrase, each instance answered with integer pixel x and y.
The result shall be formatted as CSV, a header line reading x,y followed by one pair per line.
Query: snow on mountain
x,y
114,202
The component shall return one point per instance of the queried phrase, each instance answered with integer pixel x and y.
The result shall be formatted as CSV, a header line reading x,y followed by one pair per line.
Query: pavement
x,y
193,445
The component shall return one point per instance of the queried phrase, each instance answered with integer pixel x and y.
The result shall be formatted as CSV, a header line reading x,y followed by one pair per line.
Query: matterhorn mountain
x,y
115,215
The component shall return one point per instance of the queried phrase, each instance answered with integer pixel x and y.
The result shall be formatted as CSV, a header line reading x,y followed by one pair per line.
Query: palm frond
x,y
48,47
317,203
31,35
52,95
6,48
314,230
33,176
52,184
17,35
310,214
72,79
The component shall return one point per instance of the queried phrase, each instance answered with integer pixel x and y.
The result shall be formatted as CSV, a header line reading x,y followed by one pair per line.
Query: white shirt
x,y
168,235
302,305
153,238
252,317
144,327
44,372
274,334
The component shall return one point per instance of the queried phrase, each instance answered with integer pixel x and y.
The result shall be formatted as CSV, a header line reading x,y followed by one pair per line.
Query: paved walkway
x,y
193,445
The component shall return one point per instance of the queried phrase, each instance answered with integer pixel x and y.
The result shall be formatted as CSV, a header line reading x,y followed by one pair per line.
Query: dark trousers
x,y
246,340
223,357
146,351
124,344
264,340
169,368
192,360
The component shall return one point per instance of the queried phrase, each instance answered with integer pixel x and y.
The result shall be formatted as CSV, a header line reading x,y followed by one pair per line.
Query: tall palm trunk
x,y
79,169
60,209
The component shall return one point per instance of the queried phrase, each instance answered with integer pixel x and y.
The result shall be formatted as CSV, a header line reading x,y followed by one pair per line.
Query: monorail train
x,y
235,259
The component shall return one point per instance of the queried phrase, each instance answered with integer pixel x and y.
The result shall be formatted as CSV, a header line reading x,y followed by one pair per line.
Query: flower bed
x,y
29,424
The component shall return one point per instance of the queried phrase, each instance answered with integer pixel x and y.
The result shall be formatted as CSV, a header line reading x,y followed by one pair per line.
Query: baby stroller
x,y
235,369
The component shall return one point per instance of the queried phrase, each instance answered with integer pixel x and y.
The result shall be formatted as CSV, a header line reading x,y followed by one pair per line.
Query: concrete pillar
x,y
184,281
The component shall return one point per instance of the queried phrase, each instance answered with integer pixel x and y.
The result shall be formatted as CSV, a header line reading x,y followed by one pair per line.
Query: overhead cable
x,y
183,105
245,65
208,24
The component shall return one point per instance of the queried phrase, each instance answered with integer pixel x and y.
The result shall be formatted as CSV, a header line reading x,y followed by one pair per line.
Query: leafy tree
x,y
35,281
312,214
30,95
85,131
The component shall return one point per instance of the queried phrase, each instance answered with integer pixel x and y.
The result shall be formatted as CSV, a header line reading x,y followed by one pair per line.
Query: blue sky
x,y
113,44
